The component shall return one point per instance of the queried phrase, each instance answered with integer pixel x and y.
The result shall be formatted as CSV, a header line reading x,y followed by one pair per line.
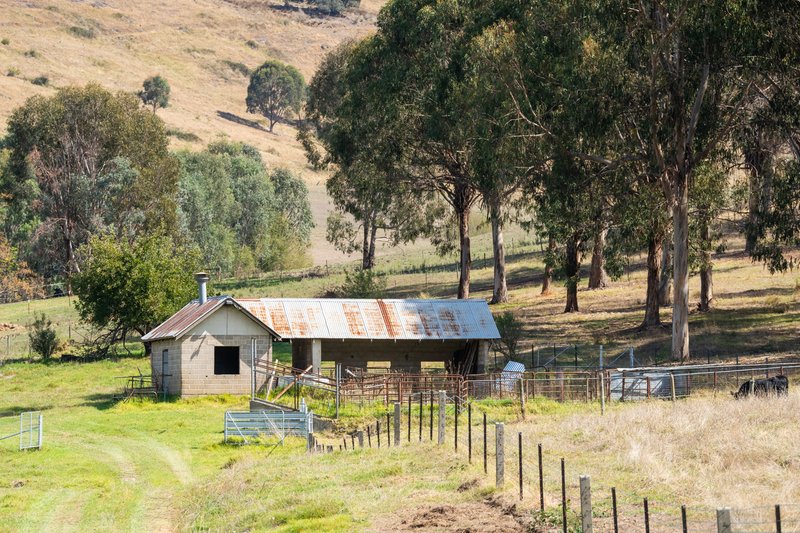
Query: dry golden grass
x,y
704,452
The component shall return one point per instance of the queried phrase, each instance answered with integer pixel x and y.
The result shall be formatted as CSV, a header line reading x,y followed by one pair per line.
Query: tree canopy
x,y
275,89
81,161
155,92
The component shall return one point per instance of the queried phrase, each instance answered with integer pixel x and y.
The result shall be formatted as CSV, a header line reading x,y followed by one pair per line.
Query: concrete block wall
x,y
173,381
197,364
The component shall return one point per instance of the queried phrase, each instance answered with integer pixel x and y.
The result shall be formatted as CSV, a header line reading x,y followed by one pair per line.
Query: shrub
x,y
237,67
252,44
43,337
362,284
12,71
182,135
84,33
6,41
41,80
510,329
31,53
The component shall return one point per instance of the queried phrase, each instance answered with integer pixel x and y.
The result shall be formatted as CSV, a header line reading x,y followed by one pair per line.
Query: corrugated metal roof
x,y
320,318
193,313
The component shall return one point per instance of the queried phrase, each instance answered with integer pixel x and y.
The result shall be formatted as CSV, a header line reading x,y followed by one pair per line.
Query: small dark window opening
x,y
226,360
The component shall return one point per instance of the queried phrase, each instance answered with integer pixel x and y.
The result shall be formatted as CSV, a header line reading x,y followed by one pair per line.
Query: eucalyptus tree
x,y
345,133
692,67
275,89
81,161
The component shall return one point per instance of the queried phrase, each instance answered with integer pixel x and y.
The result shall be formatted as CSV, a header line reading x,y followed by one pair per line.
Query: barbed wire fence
x,y
559,497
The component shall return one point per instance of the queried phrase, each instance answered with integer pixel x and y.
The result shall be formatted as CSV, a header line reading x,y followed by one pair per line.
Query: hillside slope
x,y
200,46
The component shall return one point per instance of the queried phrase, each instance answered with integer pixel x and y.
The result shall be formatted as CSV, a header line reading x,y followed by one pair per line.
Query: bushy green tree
x,y
155,92
83,160
132,286
275,89
230,202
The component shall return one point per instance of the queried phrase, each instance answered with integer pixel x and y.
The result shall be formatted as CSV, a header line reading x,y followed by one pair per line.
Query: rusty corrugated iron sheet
x,y
320,318
193,313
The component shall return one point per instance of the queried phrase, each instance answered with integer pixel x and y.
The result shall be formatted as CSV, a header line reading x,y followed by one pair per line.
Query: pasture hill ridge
x,y
204,48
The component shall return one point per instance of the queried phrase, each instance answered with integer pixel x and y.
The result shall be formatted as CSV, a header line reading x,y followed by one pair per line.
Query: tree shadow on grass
x,y
15,410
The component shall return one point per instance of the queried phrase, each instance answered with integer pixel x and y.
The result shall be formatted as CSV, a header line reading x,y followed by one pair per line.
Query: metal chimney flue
x,y
202,280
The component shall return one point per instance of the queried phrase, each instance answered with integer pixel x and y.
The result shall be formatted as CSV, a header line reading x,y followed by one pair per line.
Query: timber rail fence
x,y
558,497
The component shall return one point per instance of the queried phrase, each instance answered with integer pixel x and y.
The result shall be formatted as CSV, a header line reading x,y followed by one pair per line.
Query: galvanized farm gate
x,y
282,424
30,430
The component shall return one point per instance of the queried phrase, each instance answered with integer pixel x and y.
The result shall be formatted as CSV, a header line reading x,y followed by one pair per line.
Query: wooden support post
x,y
724,520
519,455
684,521
310,442
614,509
602,393
378,432
563,497
586,504
500,456
369,436
388,430
360,439
541,479
672,384
397,408
778,525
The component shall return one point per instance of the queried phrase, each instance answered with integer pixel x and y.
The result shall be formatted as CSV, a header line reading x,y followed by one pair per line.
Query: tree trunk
x,y
366,263
680,267
753,207
500,290
598,278
548,266
372,236
706,279
652,310
466,258
572,269
759,161
665,284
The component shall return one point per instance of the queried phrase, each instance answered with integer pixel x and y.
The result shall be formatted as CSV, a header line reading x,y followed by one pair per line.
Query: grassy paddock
x,y
151,466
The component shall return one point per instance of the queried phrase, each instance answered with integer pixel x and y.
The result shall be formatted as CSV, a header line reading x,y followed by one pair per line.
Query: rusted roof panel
x,y
194,313
320,318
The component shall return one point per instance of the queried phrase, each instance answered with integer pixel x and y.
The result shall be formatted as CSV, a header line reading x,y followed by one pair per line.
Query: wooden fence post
x,y
360,439
500,456
602,393
310,442
397,408
586,504
724,520
442,414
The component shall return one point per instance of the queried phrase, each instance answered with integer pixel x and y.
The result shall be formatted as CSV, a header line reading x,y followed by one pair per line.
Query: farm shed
x,y
404,333
209,347
211,344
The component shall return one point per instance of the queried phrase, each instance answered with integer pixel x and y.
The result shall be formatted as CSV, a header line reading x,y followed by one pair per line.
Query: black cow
x,y
778,385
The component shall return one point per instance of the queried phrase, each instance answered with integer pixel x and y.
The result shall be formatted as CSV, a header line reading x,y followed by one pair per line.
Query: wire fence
x,y
545,483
